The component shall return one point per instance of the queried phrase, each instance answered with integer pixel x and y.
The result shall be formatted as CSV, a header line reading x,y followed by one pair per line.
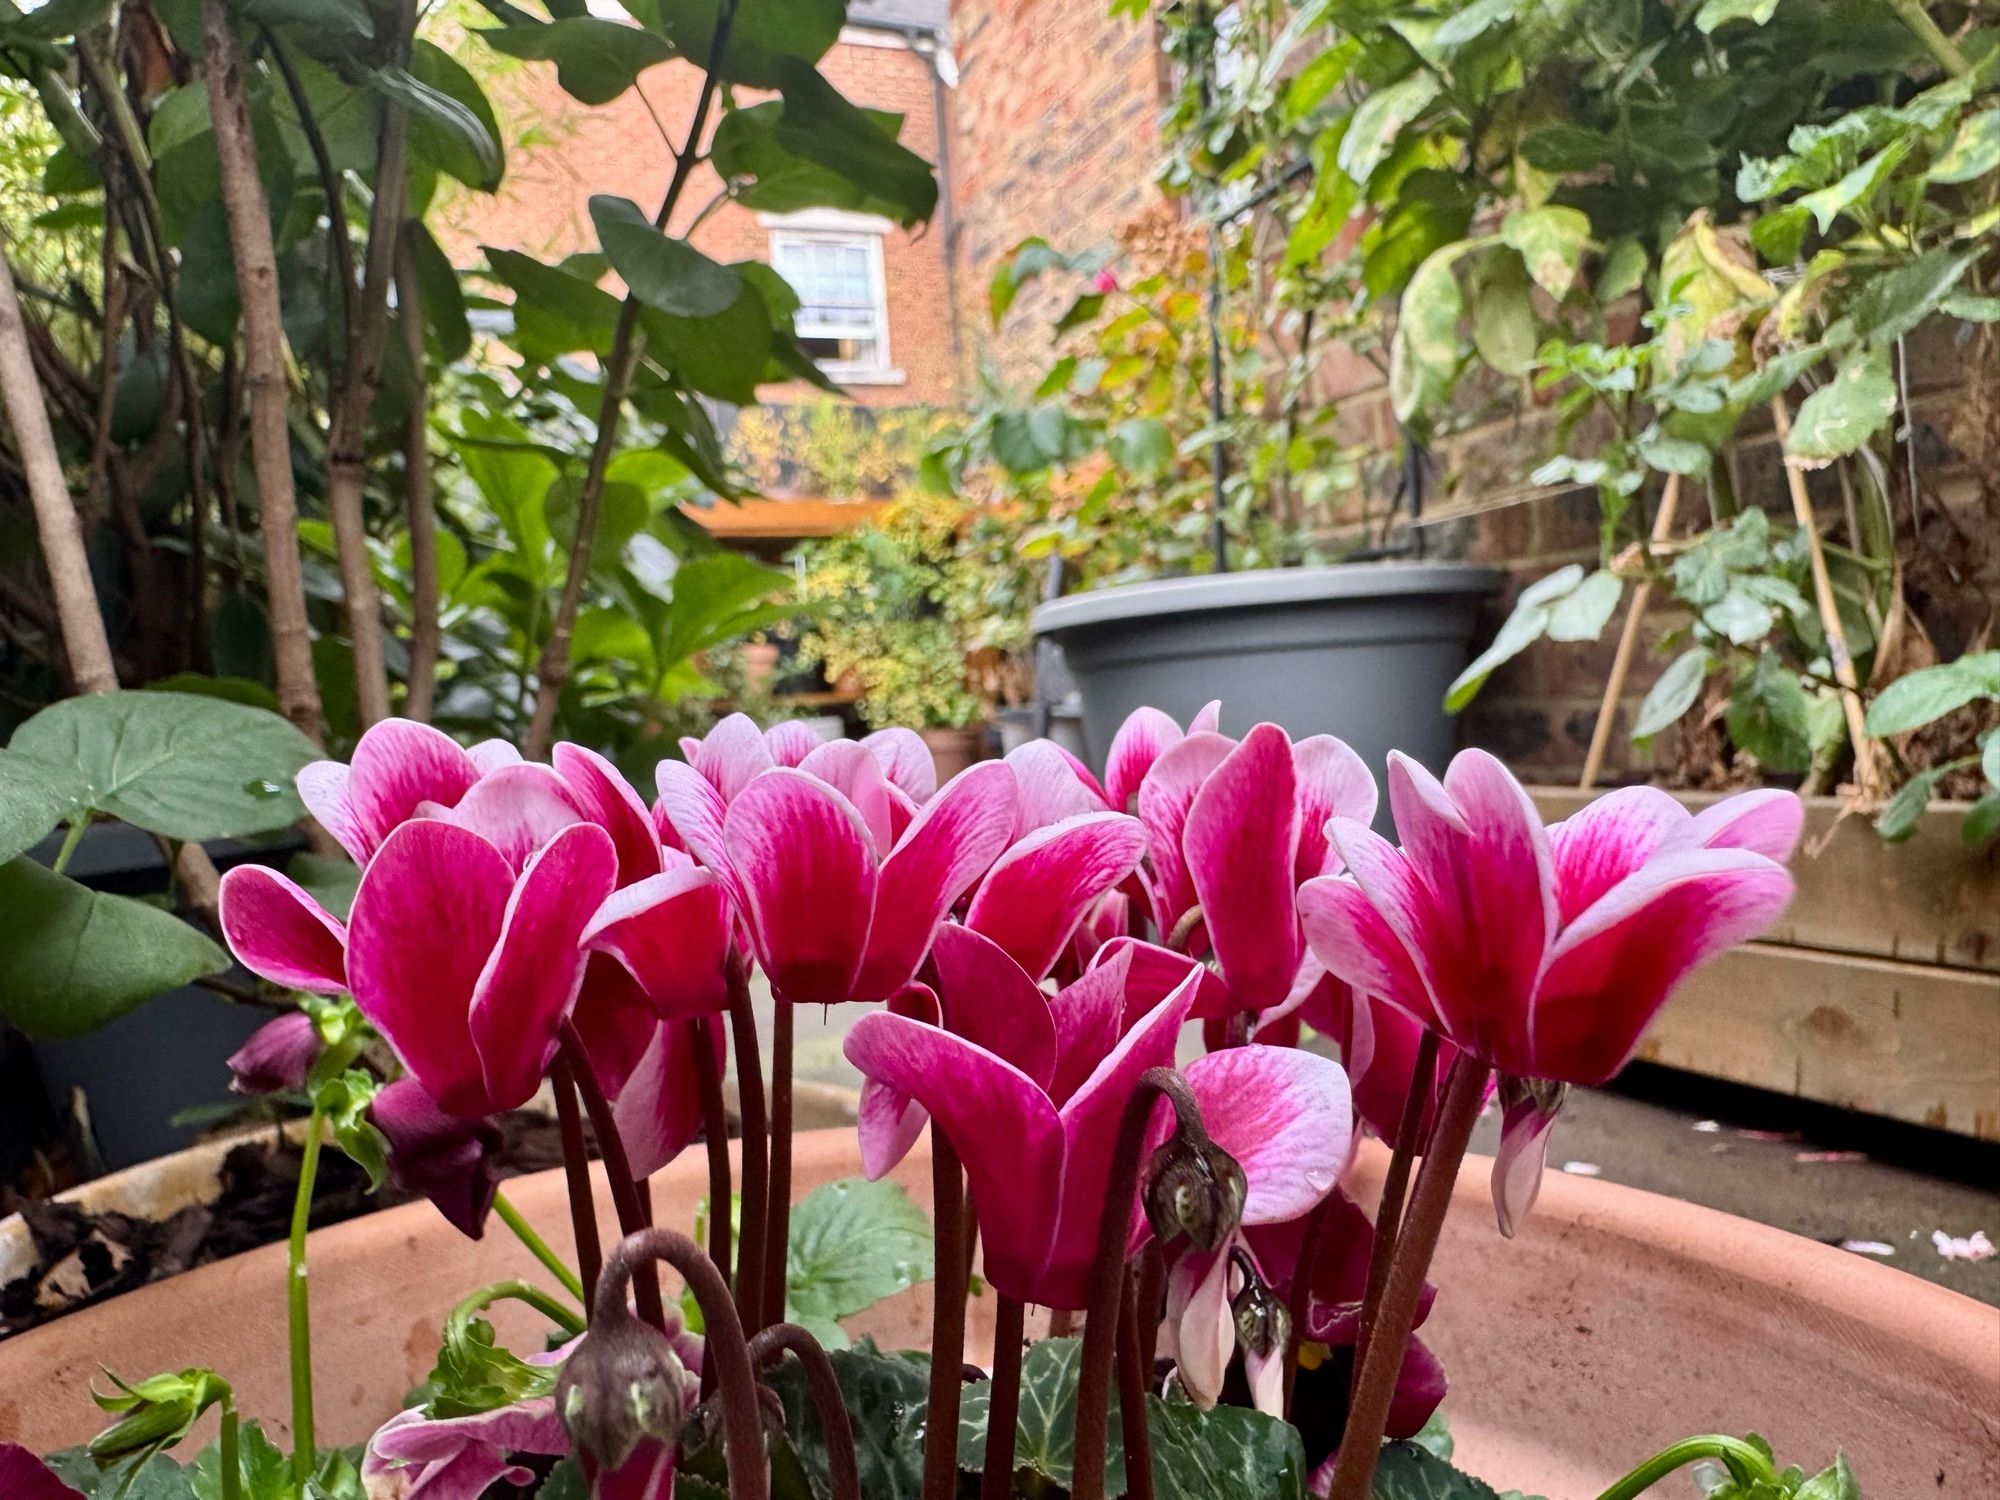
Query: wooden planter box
x,y
1880,989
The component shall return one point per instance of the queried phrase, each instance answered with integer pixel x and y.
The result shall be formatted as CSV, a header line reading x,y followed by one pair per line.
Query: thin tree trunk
x,y
424,635
250,244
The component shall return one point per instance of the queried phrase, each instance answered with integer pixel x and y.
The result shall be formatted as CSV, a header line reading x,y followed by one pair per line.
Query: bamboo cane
x,y
1628,641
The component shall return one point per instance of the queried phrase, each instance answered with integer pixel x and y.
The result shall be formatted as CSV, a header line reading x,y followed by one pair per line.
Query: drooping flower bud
x,y
453,1160
1193,1188
155,1414
278,1056
623,1384
1528,1110
1263,1333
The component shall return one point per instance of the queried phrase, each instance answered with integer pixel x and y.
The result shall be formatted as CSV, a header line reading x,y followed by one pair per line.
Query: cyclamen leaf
x,y
853,1243
885,1394
1045,1431
1674,694
1844,413
1407,1471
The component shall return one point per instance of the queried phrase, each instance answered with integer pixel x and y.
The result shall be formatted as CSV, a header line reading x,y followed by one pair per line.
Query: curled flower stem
x,y
567,1319
576,1173
778,1221
1151,1300
298,1309
948,1290
1416,1241
1746,1464
715,1127
742,1412
755,1145
538,1247
1107,1281
632,1215
1132,1398
836,1428
996,1480
1389,1215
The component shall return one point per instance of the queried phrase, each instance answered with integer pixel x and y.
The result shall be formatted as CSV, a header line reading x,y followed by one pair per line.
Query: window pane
x,y
834,279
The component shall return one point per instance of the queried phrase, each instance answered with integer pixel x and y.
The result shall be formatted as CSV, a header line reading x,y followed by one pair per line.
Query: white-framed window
x,y
834,262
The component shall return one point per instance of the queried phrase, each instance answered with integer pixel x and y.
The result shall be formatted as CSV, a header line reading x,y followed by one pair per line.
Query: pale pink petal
x,y
1151,973
1766,822
322,788
1207,719
488,756
790,742
1266,1375
1003,1127
1606,841
397,765
1284,1114
658,1112
1525,1127
1088,777
807,871
1333,783
1035,895
1205,1334
1088,1019
888,1123
951,843
426,917
691,806
690,747
1364,933
532,977
671,932
853,772
1050,788
606,798
1143,738
1240,841
1614,967
732,753
1164,799
277,931
906,760
987,998
516,809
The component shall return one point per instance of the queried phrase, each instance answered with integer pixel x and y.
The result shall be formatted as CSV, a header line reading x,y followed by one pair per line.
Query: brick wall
x,y
1058,133
543,206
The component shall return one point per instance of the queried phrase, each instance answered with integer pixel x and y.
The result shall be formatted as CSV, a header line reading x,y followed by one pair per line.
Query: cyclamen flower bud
x,y
278,1056
156,1413
1263,1322
1194,1188
623,1384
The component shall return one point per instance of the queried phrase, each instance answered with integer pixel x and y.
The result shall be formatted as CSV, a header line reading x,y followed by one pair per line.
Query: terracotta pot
x,y
955,749
1617,1322
760,660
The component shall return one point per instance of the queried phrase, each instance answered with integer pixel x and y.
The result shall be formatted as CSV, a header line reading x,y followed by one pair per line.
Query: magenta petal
x,y
1766,822
277,931
322,787
1089,1018
279,1055
25,1477
790,742
671,932
606,798
1143,738
691,806
1050,788
1614,967
615,1021
1002,1126
1284,1114
1241,841
658,1112
905,759
854,773
806,867
397,766
1606,841
453,1160
647,1475
987,998
517,810
1152,973
732,754
888,1123
532,978
1164,799
1333,783
1363,933
957,835
425,920
1035,895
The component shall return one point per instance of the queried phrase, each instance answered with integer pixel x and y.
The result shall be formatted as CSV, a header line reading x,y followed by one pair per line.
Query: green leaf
x,y
1551,241
442,297
1900,817
723,355
454,127
767,38
1379,119
1674,694
36,795
1972,308
854,1242
263,1468
1624,269
664,273
1974,150
1845,412
1503,318
1717,13
60,18
159,1478
1581,614
1673,455
1916,700
554,311
1835,1482
1045,1431
818,125
177,764
1739,617
1424,353
1142,446
1526,625
1227,1450
75,958
622,511
1982,824
1893,305
1409,1471
596,60
345,17
1769,716
751,148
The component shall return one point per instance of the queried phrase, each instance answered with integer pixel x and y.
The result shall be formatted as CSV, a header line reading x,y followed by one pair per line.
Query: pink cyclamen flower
x,y
839,883
453,1160
1142,739
1035,1135
1285,1116
278,1056
414,1457
736,750
1104,282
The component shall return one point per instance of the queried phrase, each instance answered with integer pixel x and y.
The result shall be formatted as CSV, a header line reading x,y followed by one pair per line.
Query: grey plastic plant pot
x,y
1362,651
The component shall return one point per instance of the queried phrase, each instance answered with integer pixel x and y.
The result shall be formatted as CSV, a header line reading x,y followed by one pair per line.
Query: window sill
x,y
863,377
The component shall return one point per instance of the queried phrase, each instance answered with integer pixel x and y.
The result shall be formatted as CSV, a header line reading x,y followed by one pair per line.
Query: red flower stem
x,y
1416,1242
1062,1322
948,1288
755,1145
1107,1280
715,1130
576,1171
1004,1414
632,1215
823,1385
778,1221
724,1344
1152,1297
1132,1382
1389,1215
1298,1299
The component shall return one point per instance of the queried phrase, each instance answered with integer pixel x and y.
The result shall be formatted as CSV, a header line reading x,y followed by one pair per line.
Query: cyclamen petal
x,y
790,742
807,869
692,807
1165,796
1612,837
1375,927
672,934
280,933
606,798
1241,841
986,997
1204,1331
1051,788
732,754
398,764
1333,782
1142,739
905,759
1284,1115
854,773
1033,898
25,1477
1766,822
1151,973
516,809
658,1112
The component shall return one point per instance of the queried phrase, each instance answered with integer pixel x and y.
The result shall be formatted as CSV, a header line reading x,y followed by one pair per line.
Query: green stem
x,y
565,1318
537,1246
230,1463
297,1308
1913,15
70,841
1746,1464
